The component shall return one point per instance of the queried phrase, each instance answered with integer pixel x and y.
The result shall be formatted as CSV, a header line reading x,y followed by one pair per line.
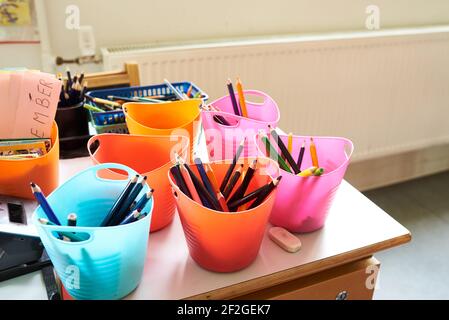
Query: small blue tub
x,y
109,263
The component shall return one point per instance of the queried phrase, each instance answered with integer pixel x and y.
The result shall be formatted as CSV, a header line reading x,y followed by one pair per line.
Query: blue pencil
x,y
124,209
131,217
235,106
144,200
204,177
175,91
37,192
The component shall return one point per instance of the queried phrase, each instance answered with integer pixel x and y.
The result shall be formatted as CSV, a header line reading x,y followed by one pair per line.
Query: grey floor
x,y
420,269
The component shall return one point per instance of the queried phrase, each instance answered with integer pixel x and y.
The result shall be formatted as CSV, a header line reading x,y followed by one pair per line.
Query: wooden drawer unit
x,y
352,281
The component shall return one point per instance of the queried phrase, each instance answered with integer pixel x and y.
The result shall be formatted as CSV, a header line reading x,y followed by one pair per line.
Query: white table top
x,y
355,224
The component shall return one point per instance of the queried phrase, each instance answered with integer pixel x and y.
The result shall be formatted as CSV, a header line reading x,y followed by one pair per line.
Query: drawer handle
x,y
343,295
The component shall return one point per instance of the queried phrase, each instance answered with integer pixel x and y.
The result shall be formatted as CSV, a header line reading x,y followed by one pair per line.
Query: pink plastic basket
x,y
222,141
302,203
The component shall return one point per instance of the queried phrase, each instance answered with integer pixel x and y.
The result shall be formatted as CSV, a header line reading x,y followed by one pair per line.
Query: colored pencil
x,y
92,108
290,143
247,198
233,100
120,200
318,172
189,91
143,99
230,186
131,217
204,177
261,198
301,155
124,210
308,172
208,200
180,182
241,98
284,150
142,202
232,166
71,220
240,192
212,178
222,202
37,192
272,152
190,186
313,153
106,102
174,90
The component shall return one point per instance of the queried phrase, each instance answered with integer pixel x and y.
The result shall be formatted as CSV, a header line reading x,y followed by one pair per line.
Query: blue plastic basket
x,y
117,116
109,264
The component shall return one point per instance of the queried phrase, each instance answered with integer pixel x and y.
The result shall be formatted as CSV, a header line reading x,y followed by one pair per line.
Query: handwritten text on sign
x,y
38,101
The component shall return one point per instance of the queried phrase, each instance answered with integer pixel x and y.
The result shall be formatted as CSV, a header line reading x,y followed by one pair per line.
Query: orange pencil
x,y
290,143
313,153
190,185
210,174
189,91
222,202
241,98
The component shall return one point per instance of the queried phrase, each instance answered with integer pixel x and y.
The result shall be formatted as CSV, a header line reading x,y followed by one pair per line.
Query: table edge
x,y
280,277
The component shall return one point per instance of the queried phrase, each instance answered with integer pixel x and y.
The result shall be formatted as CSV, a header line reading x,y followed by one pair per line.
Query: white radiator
x,y
387,91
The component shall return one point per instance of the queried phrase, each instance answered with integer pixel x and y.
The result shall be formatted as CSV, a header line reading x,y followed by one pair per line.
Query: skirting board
x,y
379,172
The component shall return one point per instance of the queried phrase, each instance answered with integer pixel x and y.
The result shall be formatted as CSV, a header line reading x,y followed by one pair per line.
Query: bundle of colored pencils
x,y
73,90
283,155
229,196
126,209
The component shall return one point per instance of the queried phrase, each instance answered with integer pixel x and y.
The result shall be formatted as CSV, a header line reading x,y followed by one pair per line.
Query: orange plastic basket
x,y
16,175
165,119
148,155
223,241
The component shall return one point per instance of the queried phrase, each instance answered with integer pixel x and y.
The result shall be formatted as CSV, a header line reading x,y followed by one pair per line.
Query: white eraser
x,y
284,239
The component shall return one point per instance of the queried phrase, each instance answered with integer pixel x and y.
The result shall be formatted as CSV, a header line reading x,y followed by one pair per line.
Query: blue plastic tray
x,y
117,116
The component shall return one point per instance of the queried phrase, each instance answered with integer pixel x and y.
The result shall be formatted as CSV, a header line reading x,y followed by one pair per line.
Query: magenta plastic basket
x,y
302,203
222,141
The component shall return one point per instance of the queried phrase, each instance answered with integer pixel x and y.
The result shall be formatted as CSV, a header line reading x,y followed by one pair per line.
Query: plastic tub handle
x,y
108,166
256,93
348,148
225,115
93,145
89,230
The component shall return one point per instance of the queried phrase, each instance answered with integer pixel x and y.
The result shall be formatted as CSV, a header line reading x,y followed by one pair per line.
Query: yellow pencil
x,y
313,153
241,98
290,143
308,172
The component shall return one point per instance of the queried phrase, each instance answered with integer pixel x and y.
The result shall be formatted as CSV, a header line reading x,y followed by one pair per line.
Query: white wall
x,y
117,22
20,55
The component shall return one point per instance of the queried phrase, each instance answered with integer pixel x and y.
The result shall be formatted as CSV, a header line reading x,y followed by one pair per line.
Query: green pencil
x,y
272,151
92,108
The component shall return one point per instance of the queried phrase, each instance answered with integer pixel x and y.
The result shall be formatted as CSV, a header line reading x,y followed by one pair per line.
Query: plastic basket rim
x,y
41,157
184,149
206,96
197,115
